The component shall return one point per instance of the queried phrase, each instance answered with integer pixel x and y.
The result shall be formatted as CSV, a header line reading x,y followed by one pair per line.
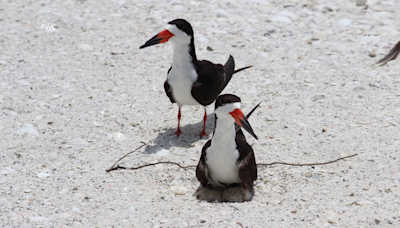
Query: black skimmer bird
x,y
190,81
227,167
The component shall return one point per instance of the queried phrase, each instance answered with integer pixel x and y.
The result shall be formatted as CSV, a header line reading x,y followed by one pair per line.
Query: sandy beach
x,y
77,93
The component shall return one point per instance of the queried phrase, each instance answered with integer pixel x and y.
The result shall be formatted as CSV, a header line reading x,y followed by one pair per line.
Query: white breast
x,y
223,168
181,79
222,155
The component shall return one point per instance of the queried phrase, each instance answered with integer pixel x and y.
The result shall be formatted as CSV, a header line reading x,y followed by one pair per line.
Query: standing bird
x,y
190,81
227,167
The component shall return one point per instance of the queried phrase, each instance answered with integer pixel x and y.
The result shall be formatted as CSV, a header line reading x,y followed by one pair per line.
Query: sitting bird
x,y
227,167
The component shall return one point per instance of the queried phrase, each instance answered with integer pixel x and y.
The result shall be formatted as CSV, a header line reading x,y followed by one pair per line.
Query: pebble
x,y
38,219
12,31
397,177
331,221
80,142
264,54
177,9
133,209
85,47
361,2
386,30
6,170
43,175
11,146
318,35
27,190
319,96
222,13
119,137
29,129
372,54
370,39
344,22
202,39
364,203
97,124
162,152
55,96
179,190
52,156
274,181
75,209
283,19
287,14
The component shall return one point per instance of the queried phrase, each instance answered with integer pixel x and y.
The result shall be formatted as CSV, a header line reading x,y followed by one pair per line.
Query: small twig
x,y
152,164
120,167
309,164
194,166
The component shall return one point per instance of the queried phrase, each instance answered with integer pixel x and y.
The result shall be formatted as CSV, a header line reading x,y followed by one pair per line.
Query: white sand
x,y
63,95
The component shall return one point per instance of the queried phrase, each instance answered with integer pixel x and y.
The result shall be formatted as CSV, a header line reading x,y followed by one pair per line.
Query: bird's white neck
x,y
223,140
222,155
182,75
181,58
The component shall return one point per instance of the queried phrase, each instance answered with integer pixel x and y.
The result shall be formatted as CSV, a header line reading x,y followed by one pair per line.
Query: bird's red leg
x,y
203,133
178,132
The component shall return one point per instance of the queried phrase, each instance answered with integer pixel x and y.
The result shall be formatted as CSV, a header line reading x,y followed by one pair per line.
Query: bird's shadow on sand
x,y
190,134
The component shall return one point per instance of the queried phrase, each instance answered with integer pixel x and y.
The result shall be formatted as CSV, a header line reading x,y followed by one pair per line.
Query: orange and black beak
x,y
241,120
161,37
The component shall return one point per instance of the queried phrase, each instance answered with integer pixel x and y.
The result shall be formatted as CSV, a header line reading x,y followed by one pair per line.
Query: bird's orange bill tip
x,y
242,121
164,36
237,114
161,37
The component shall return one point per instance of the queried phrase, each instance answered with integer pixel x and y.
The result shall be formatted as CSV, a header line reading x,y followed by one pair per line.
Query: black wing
x,y
229,69
168,89
212,79
201,170
247,162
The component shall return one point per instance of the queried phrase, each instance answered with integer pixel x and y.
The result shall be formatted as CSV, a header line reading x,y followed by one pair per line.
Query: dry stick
x,y
162,162
310,164
194,166
120,167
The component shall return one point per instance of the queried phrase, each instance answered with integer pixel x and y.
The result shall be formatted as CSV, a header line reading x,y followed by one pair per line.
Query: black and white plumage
x,y
227,161
190,81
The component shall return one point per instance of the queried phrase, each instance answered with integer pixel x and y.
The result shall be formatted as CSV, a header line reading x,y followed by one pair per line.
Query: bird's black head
x,y
180,33
226,99
227,106
183,25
